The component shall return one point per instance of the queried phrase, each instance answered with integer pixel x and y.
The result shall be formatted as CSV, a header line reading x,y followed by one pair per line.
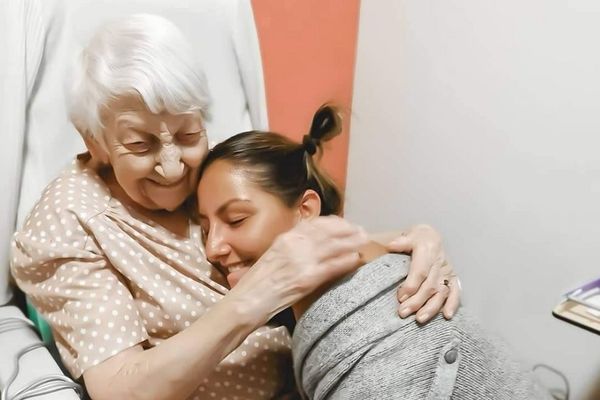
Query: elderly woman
x,y
112,259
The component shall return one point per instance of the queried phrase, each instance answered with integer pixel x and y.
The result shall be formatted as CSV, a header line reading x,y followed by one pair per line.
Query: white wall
x,y
482,118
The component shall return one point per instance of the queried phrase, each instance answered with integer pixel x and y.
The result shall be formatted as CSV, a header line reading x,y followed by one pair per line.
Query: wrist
x,y
249,311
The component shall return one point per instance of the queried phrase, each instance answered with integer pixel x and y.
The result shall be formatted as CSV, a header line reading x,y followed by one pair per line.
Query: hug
x,y
160,264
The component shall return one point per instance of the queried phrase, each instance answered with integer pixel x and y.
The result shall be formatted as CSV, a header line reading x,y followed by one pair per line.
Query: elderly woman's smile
x,y
154,157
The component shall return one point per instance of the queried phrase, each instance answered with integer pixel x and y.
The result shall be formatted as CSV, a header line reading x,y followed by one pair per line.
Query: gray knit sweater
x,y
351,344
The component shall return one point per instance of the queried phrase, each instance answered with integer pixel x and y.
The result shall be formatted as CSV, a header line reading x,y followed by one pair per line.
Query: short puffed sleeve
x,y
58,263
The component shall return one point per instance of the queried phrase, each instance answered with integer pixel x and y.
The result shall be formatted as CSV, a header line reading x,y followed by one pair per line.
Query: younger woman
x,y
349,342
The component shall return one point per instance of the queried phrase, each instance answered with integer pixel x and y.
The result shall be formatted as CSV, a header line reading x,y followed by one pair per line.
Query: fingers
x,y
453,300
433,305
332,226
418,272
437,284
421,291
445,297
332,248
299,261
331,237
424,243
414,237
428,288
337,242
314,252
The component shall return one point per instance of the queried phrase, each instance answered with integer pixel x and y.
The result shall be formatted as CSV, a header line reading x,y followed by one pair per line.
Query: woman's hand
x,y
313,253
431,284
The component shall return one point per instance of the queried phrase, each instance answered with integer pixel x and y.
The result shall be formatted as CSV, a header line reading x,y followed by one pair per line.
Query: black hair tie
x,y
310,144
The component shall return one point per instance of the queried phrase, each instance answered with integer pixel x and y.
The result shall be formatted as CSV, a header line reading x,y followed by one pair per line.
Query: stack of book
x,y
581,307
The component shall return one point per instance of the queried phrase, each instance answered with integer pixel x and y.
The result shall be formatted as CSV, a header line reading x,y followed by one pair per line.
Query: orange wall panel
x,y
308,51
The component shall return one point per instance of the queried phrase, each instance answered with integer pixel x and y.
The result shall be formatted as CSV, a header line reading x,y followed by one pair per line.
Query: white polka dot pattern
x,y
107,279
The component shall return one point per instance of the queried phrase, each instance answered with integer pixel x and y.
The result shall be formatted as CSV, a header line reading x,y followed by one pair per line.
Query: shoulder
x,y
357,292
77,190
57,224
390,266
75,196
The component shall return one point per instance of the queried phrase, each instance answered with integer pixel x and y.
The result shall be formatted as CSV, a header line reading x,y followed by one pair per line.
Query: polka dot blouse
x,y
107,279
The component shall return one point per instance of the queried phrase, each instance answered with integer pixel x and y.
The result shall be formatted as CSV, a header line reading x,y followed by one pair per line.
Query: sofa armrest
x,y
33,365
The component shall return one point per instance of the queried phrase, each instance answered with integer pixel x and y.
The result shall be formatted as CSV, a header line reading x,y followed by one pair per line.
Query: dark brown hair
x,y
283,167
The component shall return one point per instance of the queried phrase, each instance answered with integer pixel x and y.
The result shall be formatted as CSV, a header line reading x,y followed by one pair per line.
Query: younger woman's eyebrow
x,y
224,206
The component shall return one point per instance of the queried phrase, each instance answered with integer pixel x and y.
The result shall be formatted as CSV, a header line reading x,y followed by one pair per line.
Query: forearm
x,y
297,263
174,369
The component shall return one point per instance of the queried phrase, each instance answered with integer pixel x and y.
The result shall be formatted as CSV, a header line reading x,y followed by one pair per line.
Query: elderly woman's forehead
x,y
127,102
132,103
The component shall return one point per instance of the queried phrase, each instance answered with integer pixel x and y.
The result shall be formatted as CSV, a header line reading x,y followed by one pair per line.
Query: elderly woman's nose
x,y
169,162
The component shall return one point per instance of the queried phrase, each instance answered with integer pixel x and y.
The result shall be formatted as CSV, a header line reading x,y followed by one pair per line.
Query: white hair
x,y
144,55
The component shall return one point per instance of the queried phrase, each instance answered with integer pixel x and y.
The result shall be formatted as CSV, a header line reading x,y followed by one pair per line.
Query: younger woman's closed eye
x,y
237,221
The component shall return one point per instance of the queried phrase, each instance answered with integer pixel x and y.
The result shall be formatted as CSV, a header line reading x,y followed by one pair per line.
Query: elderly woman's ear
x,y
96,149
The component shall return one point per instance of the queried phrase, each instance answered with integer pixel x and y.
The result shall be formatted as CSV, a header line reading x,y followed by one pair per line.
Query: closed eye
x,y
190,137
237,222
139,146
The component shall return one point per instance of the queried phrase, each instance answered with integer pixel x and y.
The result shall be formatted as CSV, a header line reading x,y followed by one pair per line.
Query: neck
x,y
368,253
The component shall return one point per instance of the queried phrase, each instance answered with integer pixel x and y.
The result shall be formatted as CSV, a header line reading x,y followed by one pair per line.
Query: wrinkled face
x,y
155,157
240,221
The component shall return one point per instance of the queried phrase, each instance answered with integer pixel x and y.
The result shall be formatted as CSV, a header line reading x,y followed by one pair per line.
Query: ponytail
x,y
285,168
326,124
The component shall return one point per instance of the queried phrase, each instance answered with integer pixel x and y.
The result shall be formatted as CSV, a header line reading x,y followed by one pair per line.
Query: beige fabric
x,y
107,279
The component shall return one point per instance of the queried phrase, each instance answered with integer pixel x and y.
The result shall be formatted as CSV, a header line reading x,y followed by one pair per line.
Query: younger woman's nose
x,y
216,248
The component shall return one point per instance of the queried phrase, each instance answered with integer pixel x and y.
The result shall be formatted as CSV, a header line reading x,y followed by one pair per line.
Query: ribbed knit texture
x,y
351,344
